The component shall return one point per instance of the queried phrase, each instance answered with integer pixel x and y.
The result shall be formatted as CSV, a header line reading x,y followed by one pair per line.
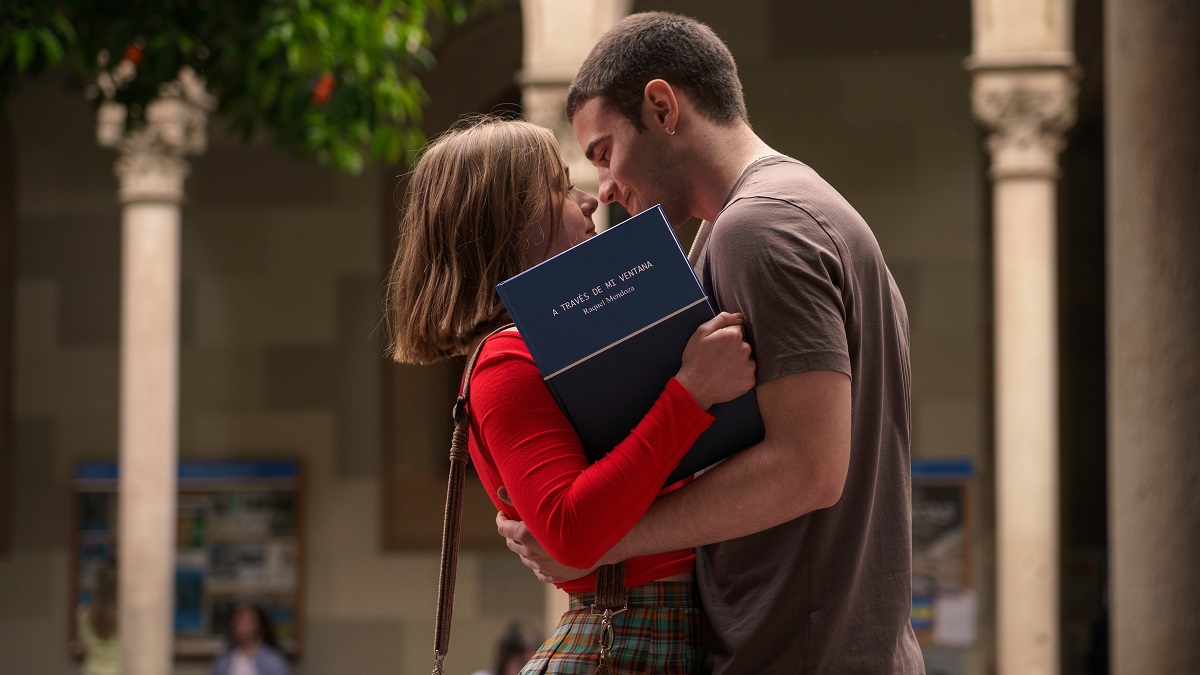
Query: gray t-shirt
x,y
829,592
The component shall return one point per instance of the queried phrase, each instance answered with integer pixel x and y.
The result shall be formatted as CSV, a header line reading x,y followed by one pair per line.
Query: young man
x,y
804,558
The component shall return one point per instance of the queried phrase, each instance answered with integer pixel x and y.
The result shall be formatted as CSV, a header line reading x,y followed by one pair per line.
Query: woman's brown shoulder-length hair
x,y
473,197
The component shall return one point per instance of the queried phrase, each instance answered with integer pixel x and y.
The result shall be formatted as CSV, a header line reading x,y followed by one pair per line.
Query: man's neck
x,y
722,155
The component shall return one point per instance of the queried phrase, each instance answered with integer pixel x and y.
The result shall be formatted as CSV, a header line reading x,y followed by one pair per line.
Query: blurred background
x,y
1029,168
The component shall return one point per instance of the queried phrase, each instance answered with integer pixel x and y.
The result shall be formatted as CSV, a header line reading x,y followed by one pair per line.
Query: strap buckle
x,y
608,612
607,635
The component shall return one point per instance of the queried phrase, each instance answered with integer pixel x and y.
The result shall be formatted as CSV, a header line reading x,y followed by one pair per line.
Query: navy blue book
x,y
607,321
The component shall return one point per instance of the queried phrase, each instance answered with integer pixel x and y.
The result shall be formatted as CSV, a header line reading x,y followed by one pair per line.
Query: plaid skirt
x,y
659,634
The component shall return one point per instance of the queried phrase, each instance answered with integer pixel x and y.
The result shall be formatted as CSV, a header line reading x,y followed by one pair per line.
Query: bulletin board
x,y
239,538
944,600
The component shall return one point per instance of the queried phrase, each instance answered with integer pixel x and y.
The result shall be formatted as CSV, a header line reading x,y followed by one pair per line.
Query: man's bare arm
x,y
799,467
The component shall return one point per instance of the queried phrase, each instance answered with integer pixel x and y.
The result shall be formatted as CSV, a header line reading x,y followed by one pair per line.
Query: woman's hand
x,y
520,541
716,361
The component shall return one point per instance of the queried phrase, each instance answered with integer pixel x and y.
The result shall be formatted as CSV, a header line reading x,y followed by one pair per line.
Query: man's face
x,y
637,169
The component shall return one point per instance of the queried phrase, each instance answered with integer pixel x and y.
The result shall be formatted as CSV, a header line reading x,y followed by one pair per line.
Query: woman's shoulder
x,y
220,664
505,371
273,659
272,652
505,344
508,336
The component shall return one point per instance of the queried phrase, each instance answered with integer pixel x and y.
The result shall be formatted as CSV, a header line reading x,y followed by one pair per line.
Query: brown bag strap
x,y
452,522
610,579
610,587
610,601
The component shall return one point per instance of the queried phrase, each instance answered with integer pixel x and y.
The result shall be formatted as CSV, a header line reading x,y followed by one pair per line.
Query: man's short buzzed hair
x,y
685,53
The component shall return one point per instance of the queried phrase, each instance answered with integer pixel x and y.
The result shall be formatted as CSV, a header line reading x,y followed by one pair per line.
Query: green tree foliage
x,y
337,79
33,36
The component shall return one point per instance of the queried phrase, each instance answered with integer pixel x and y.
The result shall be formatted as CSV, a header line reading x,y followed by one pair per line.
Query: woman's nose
x,y
589,205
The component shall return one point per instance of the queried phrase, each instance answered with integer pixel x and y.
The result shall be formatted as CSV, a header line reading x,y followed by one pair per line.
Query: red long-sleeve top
x,y
521,439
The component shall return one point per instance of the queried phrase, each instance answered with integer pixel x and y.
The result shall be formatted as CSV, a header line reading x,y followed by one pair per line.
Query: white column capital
x,y
1028,107
152,164
545,104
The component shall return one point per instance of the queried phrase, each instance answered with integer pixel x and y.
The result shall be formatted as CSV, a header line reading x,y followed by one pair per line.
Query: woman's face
x,y
576,225
245,625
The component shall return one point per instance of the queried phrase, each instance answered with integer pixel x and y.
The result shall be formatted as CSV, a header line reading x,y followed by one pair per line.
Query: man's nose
x,y
608,187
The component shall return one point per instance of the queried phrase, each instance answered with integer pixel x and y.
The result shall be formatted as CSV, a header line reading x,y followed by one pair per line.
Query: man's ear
x,y
660,106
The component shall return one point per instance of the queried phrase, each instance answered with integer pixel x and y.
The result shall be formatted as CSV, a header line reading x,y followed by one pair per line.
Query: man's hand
x,y
533,556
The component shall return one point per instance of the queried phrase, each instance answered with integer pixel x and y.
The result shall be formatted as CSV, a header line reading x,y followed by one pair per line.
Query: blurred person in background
x,y
515,647
252,646
97,626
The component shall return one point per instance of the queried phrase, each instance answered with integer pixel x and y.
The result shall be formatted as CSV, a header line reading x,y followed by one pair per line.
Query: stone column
x,y
1152,61
544,99
549,64
1024,94
8,273
151,169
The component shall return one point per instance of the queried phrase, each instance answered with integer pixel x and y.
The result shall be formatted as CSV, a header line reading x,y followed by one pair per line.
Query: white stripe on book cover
x,y
643,329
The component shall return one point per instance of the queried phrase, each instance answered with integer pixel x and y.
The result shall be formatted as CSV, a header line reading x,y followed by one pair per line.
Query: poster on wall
x,y
238,539
944,602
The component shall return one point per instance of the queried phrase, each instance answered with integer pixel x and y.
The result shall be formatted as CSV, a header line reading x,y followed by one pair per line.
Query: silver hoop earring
x,y
670,132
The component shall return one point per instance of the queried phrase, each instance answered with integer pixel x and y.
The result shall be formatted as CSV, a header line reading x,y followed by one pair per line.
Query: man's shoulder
x,y
764,225
759,211
783,187
779,177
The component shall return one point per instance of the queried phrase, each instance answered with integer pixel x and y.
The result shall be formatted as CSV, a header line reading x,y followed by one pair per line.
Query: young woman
x,y
486,201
